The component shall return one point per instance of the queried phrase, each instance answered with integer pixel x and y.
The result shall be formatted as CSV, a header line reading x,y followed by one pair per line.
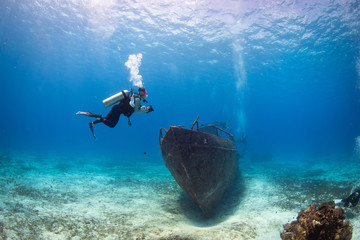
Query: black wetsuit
x,y
113,116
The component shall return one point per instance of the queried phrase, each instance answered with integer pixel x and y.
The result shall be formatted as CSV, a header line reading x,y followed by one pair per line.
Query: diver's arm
x,y
138,108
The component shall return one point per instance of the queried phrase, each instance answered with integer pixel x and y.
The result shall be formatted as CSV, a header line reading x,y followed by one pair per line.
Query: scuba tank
x,y
116,98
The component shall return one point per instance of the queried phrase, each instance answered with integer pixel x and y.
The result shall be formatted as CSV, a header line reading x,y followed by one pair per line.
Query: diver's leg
x,y
113,117
98,120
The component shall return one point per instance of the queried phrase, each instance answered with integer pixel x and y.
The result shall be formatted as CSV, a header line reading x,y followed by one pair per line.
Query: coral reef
x,y
323,223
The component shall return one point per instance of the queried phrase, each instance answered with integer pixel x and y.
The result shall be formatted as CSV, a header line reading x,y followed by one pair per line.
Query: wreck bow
x,y
204,165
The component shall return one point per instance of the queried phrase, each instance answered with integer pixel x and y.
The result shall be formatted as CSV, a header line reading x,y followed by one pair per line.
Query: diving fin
x,y
88,114
92,129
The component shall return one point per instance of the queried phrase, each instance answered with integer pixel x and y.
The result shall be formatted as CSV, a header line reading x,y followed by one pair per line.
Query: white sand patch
x,y
53,199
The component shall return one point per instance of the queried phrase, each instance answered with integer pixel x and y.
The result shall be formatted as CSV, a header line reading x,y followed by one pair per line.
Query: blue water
x,y
286,73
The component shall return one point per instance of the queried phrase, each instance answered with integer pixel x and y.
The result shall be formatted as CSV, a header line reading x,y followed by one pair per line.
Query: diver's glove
x,y
149,109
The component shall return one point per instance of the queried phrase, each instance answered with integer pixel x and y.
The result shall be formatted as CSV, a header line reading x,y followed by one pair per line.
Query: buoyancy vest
x,y
127,109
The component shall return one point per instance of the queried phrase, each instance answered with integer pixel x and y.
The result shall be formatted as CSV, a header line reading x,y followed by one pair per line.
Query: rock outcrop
x,y
324,223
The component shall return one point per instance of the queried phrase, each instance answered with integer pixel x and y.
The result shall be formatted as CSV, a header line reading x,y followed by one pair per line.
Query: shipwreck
x,y
203,162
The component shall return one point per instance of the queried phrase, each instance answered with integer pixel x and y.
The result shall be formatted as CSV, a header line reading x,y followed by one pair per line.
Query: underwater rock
x,y
324,223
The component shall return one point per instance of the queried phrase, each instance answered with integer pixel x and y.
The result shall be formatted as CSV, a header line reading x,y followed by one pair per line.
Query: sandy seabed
x,y
53,197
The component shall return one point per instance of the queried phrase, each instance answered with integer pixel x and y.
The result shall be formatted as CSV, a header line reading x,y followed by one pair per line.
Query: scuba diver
x,y
353,199
129,104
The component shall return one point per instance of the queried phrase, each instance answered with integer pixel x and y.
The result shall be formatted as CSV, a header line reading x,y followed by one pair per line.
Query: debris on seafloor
x,y
324,223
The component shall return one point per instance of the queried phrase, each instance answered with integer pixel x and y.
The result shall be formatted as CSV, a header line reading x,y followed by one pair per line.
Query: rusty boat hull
x,y
203,164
